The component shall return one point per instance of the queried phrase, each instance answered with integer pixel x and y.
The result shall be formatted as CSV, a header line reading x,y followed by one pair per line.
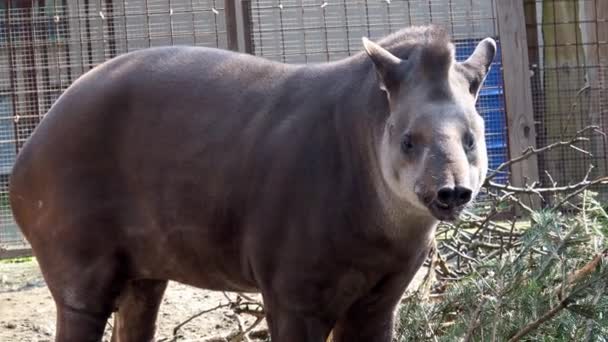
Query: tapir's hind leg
x,y
138,307
85,278
85,296
74,325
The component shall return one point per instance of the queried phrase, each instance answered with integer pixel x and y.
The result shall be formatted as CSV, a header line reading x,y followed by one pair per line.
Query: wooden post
x,y
15,253
243,11
231,24
518,95
238,25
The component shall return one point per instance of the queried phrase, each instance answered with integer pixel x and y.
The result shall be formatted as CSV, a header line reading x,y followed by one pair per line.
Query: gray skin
x,y
319,186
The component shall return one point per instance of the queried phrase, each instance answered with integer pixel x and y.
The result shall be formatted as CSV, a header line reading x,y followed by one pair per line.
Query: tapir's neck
x,y
364,109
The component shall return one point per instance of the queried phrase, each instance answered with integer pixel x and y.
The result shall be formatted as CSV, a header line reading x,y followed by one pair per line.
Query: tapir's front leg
x,y
288,326
371,318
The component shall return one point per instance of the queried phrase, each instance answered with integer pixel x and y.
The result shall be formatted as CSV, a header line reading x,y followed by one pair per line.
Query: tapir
x,y
317,185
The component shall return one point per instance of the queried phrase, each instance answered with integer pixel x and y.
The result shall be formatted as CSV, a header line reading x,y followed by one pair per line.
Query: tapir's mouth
x,y
444,212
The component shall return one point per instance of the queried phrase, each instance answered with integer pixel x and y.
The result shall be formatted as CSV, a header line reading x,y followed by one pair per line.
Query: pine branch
x,y
585,270
544,318
475,322
596,299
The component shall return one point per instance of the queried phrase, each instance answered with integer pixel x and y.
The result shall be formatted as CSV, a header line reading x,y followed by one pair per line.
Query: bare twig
x,y
443,266
259,333
578,191
556,189
531,151
238,307
180,325
516,200
492,226
553,182
455,250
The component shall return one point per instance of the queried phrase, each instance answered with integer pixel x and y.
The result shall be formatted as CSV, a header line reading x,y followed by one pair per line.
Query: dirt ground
x,y
27,311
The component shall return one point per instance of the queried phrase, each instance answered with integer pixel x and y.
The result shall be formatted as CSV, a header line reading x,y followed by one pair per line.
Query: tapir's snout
x,y
449,202
454,197
445,187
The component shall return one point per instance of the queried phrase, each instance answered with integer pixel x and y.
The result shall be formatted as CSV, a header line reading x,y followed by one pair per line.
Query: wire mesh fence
x,y
309,31
46,44
568,50
300,31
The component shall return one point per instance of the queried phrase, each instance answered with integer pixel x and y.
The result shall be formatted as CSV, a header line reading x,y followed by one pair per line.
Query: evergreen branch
x,y
558,250
588,268
596,299
585,270
544,318
475,322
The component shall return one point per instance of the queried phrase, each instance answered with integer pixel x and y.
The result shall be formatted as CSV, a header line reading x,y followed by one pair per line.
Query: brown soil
x,y
27,311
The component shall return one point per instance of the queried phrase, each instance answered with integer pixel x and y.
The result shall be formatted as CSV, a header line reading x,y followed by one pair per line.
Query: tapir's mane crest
x,y
436,48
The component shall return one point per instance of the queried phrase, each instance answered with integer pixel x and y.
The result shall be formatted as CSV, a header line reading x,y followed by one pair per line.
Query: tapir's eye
x,y
469,141
406,144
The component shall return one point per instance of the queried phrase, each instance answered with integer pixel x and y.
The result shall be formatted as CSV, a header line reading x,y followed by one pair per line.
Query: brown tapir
x,y
319,186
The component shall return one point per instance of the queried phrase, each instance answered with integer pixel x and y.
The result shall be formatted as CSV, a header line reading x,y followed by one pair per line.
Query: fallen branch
x,y
238,307
257,334
583,271
180,325
555,189
531,151
537,323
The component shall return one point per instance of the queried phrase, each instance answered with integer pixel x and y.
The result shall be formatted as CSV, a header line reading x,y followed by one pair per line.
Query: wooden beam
x,y
518,96
231,24
243,12
15,253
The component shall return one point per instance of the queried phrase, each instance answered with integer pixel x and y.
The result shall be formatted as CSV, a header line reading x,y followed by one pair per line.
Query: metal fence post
x,y
518,94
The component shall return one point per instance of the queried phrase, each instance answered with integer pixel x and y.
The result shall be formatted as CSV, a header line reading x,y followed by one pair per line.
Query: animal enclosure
x,y
548,81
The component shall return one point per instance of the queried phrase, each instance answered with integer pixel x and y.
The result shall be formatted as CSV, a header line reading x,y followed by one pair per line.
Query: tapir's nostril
x,y
445,195
454,197
463,195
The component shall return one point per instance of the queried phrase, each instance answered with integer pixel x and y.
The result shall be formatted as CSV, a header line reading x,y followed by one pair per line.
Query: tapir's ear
x,y
386,64
478,64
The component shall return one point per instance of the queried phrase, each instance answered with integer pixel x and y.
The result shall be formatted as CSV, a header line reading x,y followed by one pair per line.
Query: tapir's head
x,y
432,151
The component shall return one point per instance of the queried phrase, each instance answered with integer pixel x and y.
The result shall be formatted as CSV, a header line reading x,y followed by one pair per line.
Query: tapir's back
x,y
161,140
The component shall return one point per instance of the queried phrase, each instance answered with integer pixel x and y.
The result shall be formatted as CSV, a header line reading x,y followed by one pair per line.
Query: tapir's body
x,y
223,171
